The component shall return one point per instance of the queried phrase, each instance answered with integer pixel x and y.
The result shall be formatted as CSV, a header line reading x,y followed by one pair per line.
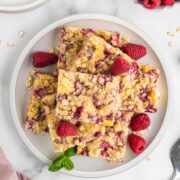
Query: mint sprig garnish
x,y
71,152
63,160
68,164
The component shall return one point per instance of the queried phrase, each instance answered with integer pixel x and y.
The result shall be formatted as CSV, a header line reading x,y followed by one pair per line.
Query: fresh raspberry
x,y
136,143
135,51
168,2
43,59
120,66
65,128
151,4
140,122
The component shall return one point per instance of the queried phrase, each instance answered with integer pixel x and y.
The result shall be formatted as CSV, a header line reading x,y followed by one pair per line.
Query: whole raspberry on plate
x,y
140,122
43,59
65,128
135,51
168,2
151,4
120,66
136,143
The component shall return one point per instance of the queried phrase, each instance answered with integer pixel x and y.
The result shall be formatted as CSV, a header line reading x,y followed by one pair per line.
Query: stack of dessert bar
x,y
87,95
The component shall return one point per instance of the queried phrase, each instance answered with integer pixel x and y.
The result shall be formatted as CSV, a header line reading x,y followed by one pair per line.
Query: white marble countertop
x,y
154,23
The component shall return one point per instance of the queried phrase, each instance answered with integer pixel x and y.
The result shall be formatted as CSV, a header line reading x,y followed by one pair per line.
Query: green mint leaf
x,y
57,164
71,151
60,161
54,168
68,164
63,160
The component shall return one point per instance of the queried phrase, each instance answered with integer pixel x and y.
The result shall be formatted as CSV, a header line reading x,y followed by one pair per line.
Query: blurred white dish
x,y
48,37
5,7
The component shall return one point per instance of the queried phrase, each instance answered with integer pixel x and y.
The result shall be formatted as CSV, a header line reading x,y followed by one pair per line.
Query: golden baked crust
x,y
86,98
141,94
72,39
112,145
96,56
41,102
86,133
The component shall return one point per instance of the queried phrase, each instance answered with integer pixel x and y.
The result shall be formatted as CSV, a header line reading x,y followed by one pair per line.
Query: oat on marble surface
x,y
170,43
21,33
148,158
10,44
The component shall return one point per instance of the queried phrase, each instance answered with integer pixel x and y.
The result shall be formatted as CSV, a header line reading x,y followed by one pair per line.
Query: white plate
x,y
19,6
40,145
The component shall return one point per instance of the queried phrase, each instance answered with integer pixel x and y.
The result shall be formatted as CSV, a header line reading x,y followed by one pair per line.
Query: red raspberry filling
x,y
104,148
97,134
151,108
41,92
42,115
78,112
98,103
116,40
84,151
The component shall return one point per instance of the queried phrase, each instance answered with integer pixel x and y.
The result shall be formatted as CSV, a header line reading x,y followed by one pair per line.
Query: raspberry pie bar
x,y
141,95
86,98
86,132
41,102
112,145
96,56
72,39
